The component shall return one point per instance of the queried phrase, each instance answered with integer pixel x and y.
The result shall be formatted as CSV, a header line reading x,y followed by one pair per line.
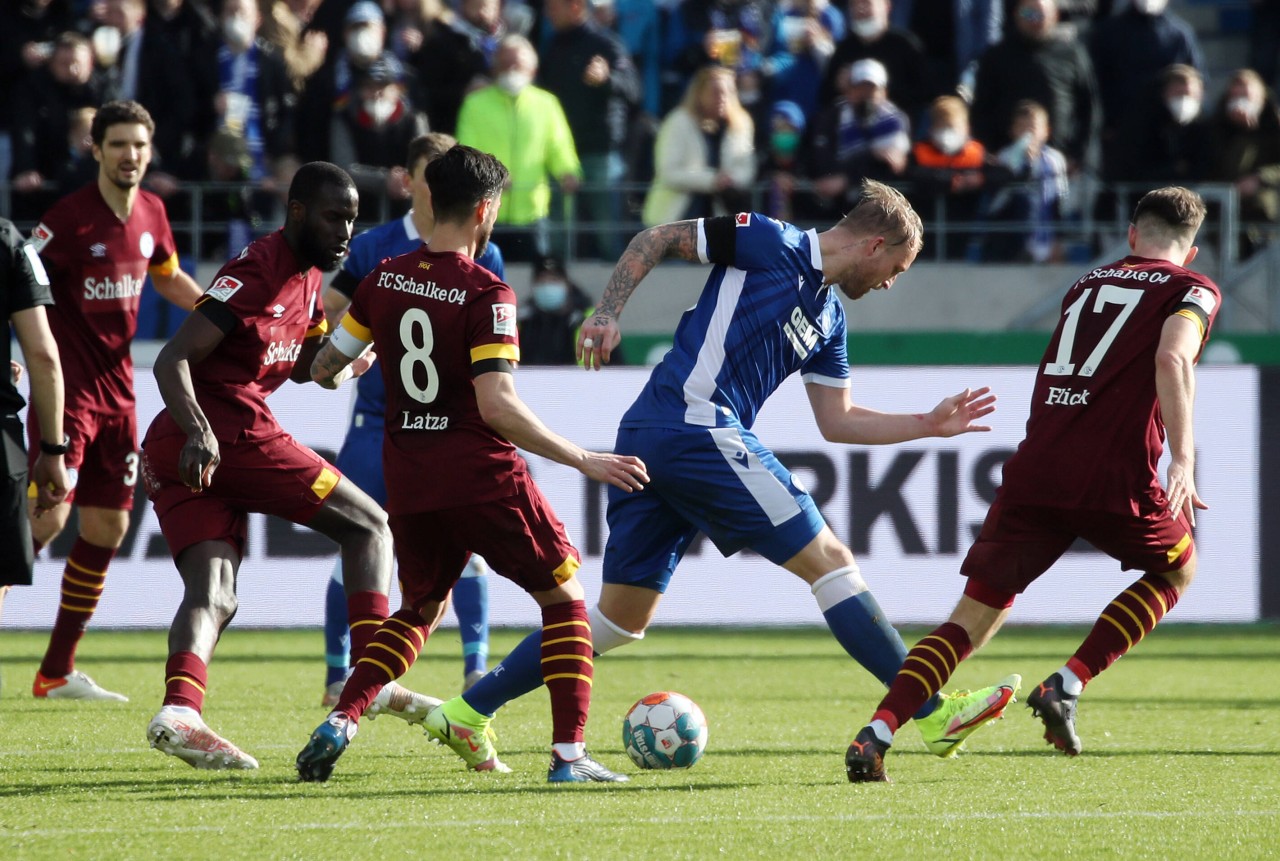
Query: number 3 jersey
x,y
437,319
1095,434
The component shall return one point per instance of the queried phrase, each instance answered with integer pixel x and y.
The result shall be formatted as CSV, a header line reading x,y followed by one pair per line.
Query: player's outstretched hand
x,y
597,339
1181,490
620,470
199,458
957,414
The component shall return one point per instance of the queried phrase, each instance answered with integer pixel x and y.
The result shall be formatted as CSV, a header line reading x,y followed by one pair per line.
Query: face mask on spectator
x,y
948,140
550,295
867,28
364,43
1244,105
237,31
106,45
380,109
785,143
1150,7
1183,108
513,81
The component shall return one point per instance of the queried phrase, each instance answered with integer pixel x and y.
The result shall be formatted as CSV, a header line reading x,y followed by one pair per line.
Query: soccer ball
x,y
664,730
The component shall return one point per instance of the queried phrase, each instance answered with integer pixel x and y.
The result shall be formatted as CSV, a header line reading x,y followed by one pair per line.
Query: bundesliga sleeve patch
x,y
1202,298
742,219
40,237
224,288
504,319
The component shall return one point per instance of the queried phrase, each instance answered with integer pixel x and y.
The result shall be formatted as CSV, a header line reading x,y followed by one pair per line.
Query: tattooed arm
x,y
599,335
332,367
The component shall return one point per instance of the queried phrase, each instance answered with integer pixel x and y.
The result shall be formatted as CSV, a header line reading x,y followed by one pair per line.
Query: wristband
x,y
50,448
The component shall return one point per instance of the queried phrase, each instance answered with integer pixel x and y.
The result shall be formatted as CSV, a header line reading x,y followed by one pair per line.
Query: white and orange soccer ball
x,y
665,730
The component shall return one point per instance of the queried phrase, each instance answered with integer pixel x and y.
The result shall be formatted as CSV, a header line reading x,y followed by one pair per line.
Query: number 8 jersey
x,y
1095,434
437,320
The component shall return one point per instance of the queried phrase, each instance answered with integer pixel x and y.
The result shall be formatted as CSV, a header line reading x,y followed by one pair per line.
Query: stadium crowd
x,y
615,113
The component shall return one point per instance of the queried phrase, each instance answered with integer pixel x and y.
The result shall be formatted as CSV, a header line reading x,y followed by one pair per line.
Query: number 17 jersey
x,y
1095,434
435,318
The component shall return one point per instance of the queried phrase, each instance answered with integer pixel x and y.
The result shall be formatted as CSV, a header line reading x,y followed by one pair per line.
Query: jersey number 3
x,y
1108,294
418,340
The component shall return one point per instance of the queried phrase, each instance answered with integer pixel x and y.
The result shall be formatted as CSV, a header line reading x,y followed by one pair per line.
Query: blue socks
x,y
519,673
337,638
471,605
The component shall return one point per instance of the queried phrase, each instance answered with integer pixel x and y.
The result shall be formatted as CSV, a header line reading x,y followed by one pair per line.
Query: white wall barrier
x,y
908,511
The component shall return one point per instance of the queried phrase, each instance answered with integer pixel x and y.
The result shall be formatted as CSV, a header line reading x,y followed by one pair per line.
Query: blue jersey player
x,y
767,311
361,455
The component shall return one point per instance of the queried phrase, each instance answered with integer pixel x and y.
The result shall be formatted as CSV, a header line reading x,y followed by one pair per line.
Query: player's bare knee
x,y
1180,578
607,635
824,554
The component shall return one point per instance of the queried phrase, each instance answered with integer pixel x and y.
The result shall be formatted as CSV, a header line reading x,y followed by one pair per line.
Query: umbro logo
x,y
97,249
278,311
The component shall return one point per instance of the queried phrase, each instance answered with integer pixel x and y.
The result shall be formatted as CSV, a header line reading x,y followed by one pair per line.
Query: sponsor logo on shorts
x,y
1064,397
224,288
41,236
504,318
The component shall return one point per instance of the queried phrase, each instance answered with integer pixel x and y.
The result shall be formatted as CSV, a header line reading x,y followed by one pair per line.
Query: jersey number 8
x,y
417,338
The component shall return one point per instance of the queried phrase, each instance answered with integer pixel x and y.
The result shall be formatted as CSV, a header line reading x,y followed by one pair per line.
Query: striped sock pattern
x,y
83,579
366,611
389,655
185,680
927,667
567,668
1126,620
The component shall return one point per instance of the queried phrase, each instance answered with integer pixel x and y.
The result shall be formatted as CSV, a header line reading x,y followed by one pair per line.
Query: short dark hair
x,y
313,178
1170,214
117,112
430,146
460,179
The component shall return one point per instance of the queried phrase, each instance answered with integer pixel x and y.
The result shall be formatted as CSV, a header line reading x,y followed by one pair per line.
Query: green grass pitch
x,y
1181,760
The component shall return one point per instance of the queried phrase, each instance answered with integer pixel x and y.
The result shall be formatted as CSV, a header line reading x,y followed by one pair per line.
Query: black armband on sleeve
x,y
488,366
345,283
722,239
218,314
1196,311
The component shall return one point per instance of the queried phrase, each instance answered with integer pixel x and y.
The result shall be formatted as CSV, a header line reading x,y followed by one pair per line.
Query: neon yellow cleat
x,y
962,712
458,726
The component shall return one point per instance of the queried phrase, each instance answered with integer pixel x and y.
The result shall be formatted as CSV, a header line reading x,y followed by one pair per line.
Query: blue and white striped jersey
x,y
763,315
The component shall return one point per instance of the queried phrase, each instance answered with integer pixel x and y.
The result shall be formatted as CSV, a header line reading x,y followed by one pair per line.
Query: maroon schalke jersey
x,y
97,265
1095,434
267,303
435,319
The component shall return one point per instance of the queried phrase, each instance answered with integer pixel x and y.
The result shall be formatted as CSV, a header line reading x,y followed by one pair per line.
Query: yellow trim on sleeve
x,y
318,329
324,483
356,329
1193,317
165,268
495,351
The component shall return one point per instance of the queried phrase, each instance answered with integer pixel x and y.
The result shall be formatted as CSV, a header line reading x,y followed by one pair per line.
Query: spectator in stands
x,y
549,321
954,34
44,108
1246,145
329,90
286,25
245,212
524,127
191,29
781,171
78,168
1039,174
481,22
447,64
1166,140
255,99
1129,52
28,29
148,70
638,24
949,168
371,134
804,39
863,135
588,69
1035,62
724,32
704,156
871,37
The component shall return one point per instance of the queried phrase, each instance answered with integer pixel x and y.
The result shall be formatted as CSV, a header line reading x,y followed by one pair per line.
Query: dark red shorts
x,y
519,536
278,476
1018,543
103,450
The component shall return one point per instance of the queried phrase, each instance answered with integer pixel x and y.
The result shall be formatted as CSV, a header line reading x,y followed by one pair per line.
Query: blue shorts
x,y
361,458
719,481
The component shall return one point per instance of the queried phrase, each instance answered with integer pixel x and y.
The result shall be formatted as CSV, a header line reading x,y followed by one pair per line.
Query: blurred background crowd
x,y
1006,121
